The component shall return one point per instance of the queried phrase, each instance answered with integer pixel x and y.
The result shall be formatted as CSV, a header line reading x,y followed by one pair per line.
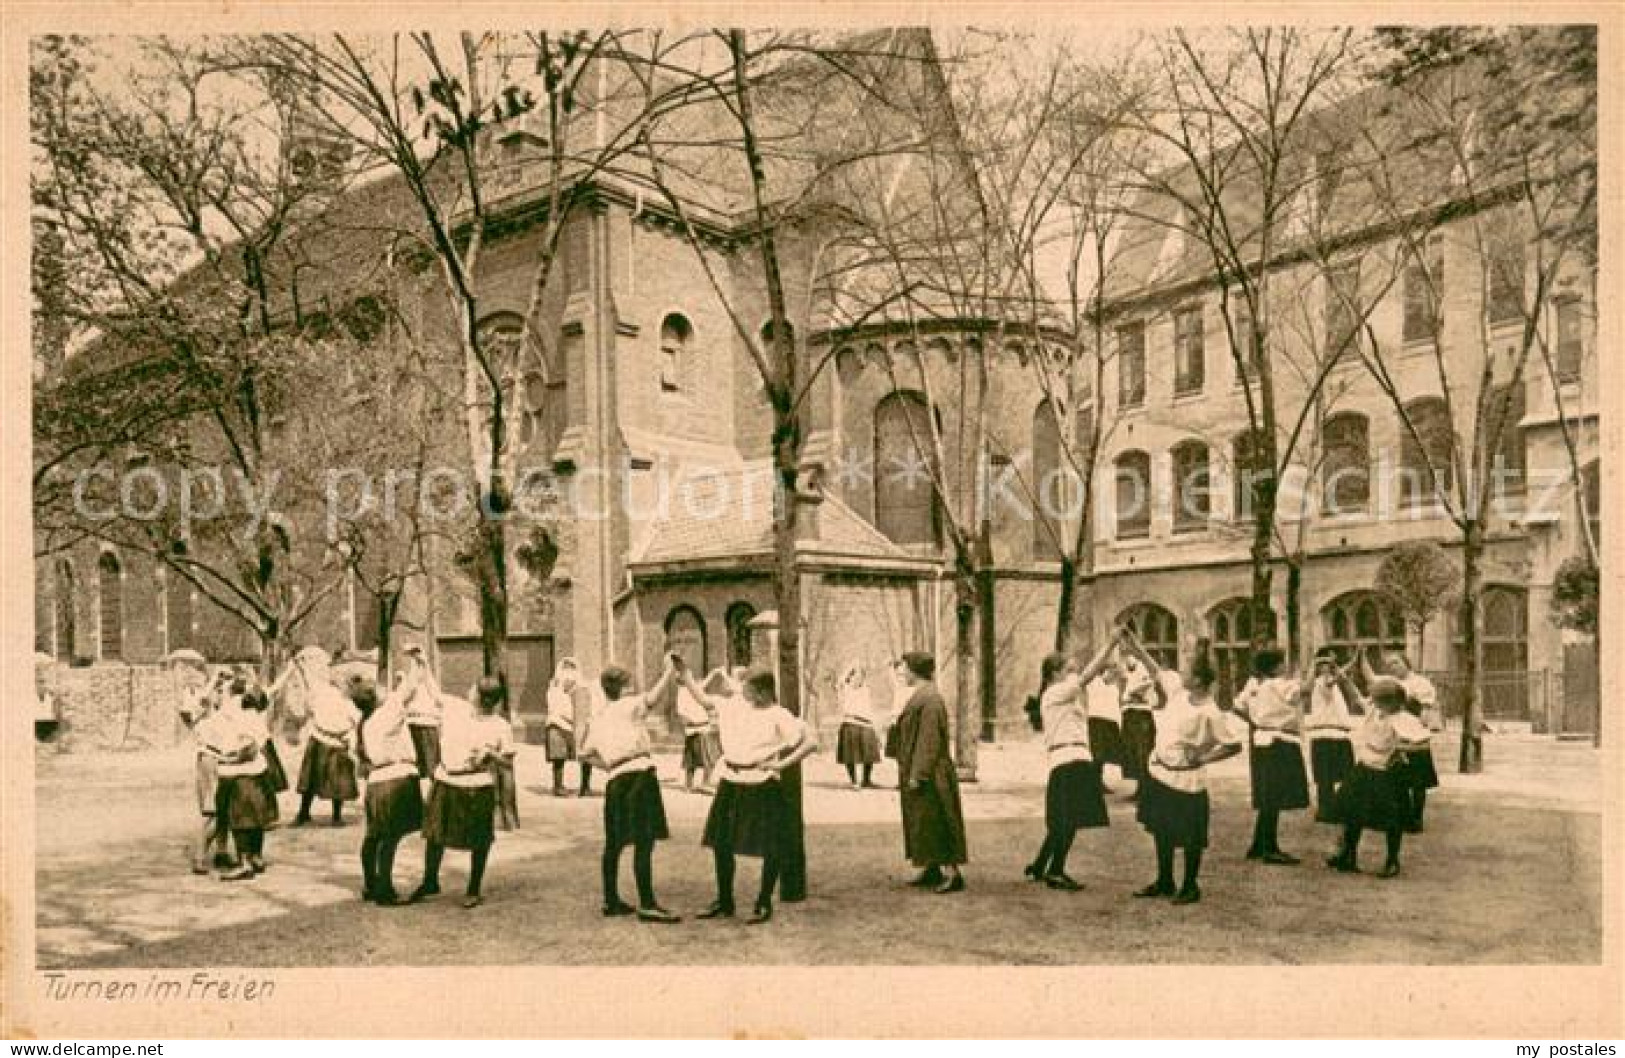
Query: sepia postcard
x,y
1085,520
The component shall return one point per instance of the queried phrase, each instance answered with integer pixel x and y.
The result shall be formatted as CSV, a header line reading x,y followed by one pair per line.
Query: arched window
x,y
1157,630
67,597
905,498
1051,491
1346,471
1428,464
110,592
1251,464
1231,627
178,610
1362,621
1506,421
1506,629
1193,502
502,340
1133,470
738,619
685,636
675,335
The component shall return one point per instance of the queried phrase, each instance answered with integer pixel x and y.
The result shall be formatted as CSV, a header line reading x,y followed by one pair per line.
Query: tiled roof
x,y
729,514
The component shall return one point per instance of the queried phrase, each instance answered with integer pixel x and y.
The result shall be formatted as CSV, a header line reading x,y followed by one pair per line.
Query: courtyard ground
x,y
1507,872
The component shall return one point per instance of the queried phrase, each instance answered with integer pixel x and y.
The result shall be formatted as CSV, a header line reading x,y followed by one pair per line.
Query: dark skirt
x,y
1139,739
1372,799
747,819
1417,770
276,777
460,817
1330,760
701,750
394,807
634,811
328,773
1073,799
857,744
426,747
1175,816
561,745
246,802
1105,740
1280,783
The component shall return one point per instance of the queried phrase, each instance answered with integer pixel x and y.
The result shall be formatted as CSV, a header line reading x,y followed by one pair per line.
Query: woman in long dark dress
x,y
933,820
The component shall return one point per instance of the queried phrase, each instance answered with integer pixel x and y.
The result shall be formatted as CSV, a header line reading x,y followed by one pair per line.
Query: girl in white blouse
x,y
1327,724
1191,734
750,816
461,813
1073,796
858,740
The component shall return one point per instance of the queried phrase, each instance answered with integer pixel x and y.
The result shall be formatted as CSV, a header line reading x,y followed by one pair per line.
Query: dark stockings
x,y
1165,866
1350,854
725,866
1419,801
1053,853
434,854
643,872
558,776
378,865
586,778
1266,829
250,844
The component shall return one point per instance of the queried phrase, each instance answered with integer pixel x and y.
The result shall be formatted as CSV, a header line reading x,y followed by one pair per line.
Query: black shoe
x,y
1281,859
762,913
1389,870
300,821
388,898
223,860
1342,864
956,884
472,900
238,874
559,791
717,910
657,914
1062,882
1154,891
1255,853
1189,894
1033,873
927,878
1413,828
618,908
423,892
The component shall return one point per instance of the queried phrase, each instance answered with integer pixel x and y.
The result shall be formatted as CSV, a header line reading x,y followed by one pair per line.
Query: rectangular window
x,y
1242,327
1424,294
1343,314
1504,298
1131,365
1190,359
1570,344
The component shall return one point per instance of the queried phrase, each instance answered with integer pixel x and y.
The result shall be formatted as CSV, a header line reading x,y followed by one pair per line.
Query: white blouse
x,y
467,743
388,744
1272,706
620,737
752,736
1186,733
1066,724
561,708
1104,700
1329,716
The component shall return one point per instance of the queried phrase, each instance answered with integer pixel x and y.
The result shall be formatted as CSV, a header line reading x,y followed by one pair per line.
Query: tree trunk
x,y
491,578
1294,615
787,597
1064,617
389,605
1472,743
965,728
986,618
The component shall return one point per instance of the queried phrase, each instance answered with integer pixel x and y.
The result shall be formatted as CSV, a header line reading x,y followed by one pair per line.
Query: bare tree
x,y
1501,168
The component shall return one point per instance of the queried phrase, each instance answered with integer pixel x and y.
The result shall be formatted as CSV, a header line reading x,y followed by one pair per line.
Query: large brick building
x,y
650,392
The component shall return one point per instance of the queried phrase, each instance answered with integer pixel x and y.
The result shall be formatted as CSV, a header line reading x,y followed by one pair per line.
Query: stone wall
x,y
114,707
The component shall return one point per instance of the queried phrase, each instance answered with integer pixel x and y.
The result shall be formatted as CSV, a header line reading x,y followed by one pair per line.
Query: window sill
x,y
1187,396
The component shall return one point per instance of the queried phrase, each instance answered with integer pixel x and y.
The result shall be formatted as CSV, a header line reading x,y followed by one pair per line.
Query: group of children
x,y
1368,761
1369,754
